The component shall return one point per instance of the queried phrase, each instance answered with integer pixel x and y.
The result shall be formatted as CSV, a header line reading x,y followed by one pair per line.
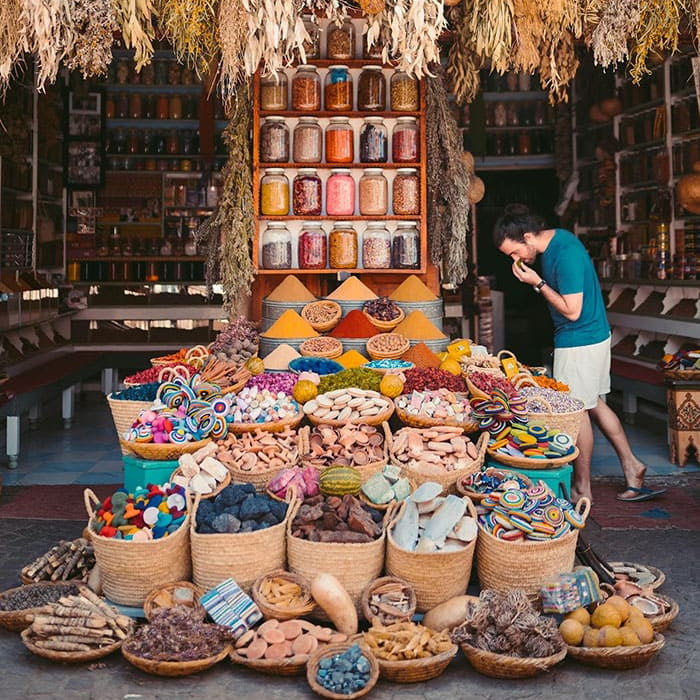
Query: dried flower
x,y
135,21
12,36
233,38
462,63
558,66
616,25
491,23
529,29
94,26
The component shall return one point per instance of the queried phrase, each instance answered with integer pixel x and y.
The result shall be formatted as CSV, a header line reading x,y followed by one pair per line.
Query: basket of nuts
x,y
387,346
322,346
322,315
383,313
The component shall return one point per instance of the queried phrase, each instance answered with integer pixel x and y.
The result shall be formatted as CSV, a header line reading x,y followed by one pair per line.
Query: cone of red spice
x,y
421,356
355,325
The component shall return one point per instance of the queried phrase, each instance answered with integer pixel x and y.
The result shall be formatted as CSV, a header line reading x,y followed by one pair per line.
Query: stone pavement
x,y
674,673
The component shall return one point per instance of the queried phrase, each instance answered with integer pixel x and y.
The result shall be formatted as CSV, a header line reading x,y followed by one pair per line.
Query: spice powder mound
x,y
354,325
421,356
412,289
351,359
290,325
290,289
417,326
280,357
352,290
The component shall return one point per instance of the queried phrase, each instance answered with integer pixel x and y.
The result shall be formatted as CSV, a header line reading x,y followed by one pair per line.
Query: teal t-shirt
x,y
568,269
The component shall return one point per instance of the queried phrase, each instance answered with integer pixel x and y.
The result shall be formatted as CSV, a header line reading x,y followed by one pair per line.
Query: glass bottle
x,y
337,92
500,114
340,40
405,192
405,246
162,107
274,193
307,198
376,246
273,92
312,250
340,193
115,246
371,90
175,107
276,247
312,47
512,81
135,105
306,90
405,147
274,140
340,141
122,106
524,81
343,245
404,92
110,107
374,193
308,141
374,140
172,145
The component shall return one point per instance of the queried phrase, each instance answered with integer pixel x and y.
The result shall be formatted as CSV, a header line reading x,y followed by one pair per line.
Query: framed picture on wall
x,y
84,163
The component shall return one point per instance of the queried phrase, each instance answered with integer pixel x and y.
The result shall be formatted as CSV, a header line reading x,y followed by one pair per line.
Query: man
x,y
571,289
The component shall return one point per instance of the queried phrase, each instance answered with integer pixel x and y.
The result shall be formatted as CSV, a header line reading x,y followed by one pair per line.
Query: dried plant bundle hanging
x,y
529,28
558,66
232,33
190,26
610,36
491,23
94,27
12,37
462,63
135,21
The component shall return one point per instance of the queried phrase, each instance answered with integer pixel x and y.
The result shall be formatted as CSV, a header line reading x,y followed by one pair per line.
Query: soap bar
x,y
402,489
392,473
378,489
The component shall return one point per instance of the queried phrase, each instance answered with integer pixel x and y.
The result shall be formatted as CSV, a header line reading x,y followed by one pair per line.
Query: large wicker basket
x,y
531,462
17,620
525,564
569,422
436,576
173,669
124,413
503,666
469,426
131,570
620,658
368,420
242,556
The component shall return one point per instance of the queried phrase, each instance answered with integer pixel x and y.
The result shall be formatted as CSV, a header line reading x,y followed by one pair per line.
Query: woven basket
x,y
353,564
291,666
382,506
271,427
331,650
367,420
174,669
399,617
326,325
525,564
448,480
503,666
335,351
386,326
569,422
68,657
149,606
426,422
436,576
214,492
683,375
475,497
124,413
416,670
377,354
660,575
131,570
662,622
274,611
17,620
162,451
242,556
533,463
620,658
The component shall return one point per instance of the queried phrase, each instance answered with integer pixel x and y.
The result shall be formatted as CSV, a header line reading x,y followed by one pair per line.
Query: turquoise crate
x,y
559,480
139,472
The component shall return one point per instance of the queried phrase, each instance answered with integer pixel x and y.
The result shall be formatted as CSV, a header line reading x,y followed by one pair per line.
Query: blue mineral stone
x,y
278,509
325,663
337,677
362,665
344,665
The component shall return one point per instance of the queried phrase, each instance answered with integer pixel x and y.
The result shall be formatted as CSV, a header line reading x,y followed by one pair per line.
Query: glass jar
x,y
312,249
376,246
308,141
273,92
524,143
340,141
162,107
123,106
500,114
337,92
512,116
374,141
110,107
405,147
405,246
524,81
512,81
274,140
371,90
276,247
404,92
374,193
340,193
307,198
306,90
405,192
340,40
172,145
274,193
135,105
312,47
343,245
175,107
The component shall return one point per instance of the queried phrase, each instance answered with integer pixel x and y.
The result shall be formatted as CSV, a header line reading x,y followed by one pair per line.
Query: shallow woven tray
x,y
503,666
660,575
332,650
335,351
364,600
528,463
477,497
325,326
17,620
416,670
272,427
69,657
215,492
662,622
620,658
393,354
162,451
291,666
425,422
175,669
367,420
149,607
386,326
273,611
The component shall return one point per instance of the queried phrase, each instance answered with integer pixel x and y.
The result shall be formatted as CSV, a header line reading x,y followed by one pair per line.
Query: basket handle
x,y
586,503
90,499
194,500
481,445
505,353
292,513
540,400
470,508
388,442
196,351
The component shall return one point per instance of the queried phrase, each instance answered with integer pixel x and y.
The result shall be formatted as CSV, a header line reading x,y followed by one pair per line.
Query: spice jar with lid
x,y
404,140
371,90
405,192
376,246
274,193
274,140
175,107
312,47
340,193
340,42
343,245
312,249
307,199
374,140
276,247
273,92
405,246
340,141
404,92
306,90
338,89
374,193
308,141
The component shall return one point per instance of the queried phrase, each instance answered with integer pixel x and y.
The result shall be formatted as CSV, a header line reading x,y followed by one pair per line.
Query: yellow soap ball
x,y
581,615
629,637
451,366
590,637
635,612
391,385
621,605
609,636
606,615
304,390
571,632
643,629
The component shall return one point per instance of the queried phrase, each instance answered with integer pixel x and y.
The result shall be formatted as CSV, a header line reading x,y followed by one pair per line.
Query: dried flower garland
x,y
616,24
94,22
11,40
135,21
462,63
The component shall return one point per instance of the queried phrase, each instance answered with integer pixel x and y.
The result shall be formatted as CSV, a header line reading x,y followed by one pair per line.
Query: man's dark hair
x,y
515,222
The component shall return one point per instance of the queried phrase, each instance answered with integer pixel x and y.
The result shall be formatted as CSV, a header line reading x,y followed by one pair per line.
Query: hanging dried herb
x,y
232,33
616,24
462,63
491,23
558,66
135,20
12,32
529,29
562,142
94,27
448,184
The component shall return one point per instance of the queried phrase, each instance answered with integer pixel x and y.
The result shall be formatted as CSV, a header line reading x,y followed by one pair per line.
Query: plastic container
x,y
405,141
274,140
312,248
340,141
405,192
307,197
306,90
337,91
374,193
371,90
376,247
274,193
308,141
343,246
273,92
276,247
404,92
139,472
374,141
340,193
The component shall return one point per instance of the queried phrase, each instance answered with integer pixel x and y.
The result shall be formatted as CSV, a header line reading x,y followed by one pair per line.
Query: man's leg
x,y
582,464
610,426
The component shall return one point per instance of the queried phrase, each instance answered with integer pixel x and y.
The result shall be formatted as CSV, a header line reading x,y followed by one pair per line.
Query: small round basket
x,y
334,348
162,451
416,670
503,666
152,602
568,422
386,325
68,657
620,658
173,669
214,492
367,420
17,620
331,650
532,463
271,427
375,351
662,622
463,484
422,421
326,309
380,583
275,611
291,666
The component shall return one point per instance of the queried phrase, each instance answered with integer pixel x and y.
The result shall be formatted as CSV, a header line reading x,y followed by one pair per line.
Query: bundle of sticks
x,y
224,373
65,561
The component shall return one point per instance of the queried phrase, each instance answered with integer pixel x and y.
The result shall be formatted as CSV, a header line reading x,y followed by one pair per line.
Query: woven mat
x,y
49,502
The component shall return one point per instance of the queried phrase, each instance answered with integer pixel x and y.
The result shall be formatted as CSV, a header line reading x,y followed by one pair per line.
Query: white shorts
x,y
586,369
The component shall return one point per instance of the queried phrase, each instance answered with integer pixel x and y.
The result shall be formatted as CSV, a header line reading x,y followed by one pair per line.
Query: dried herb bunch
x,y
448,184
558,66
232,33
94,27
491,23
462,63
616,24
11,40
506,623
529,29
190,26
135,21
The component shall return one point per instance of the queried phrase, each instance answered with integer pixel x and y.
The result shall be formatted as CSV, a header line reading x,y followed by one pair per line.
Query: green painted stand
x,y
139,472
559,480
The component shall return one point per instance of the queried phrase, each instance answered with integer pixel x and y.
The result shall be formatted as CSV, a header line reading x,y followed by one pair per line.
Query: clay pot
x,y
596,114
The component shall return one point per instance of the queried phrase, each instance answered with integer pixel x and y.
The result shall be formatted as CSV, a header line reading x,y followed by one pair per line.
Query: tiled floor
x,y
89,453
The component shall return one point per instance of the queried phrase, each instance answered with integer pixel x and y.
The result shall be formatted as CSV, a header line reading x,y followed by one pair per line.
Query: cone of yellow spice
x,y
412,289
290,325
416,326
